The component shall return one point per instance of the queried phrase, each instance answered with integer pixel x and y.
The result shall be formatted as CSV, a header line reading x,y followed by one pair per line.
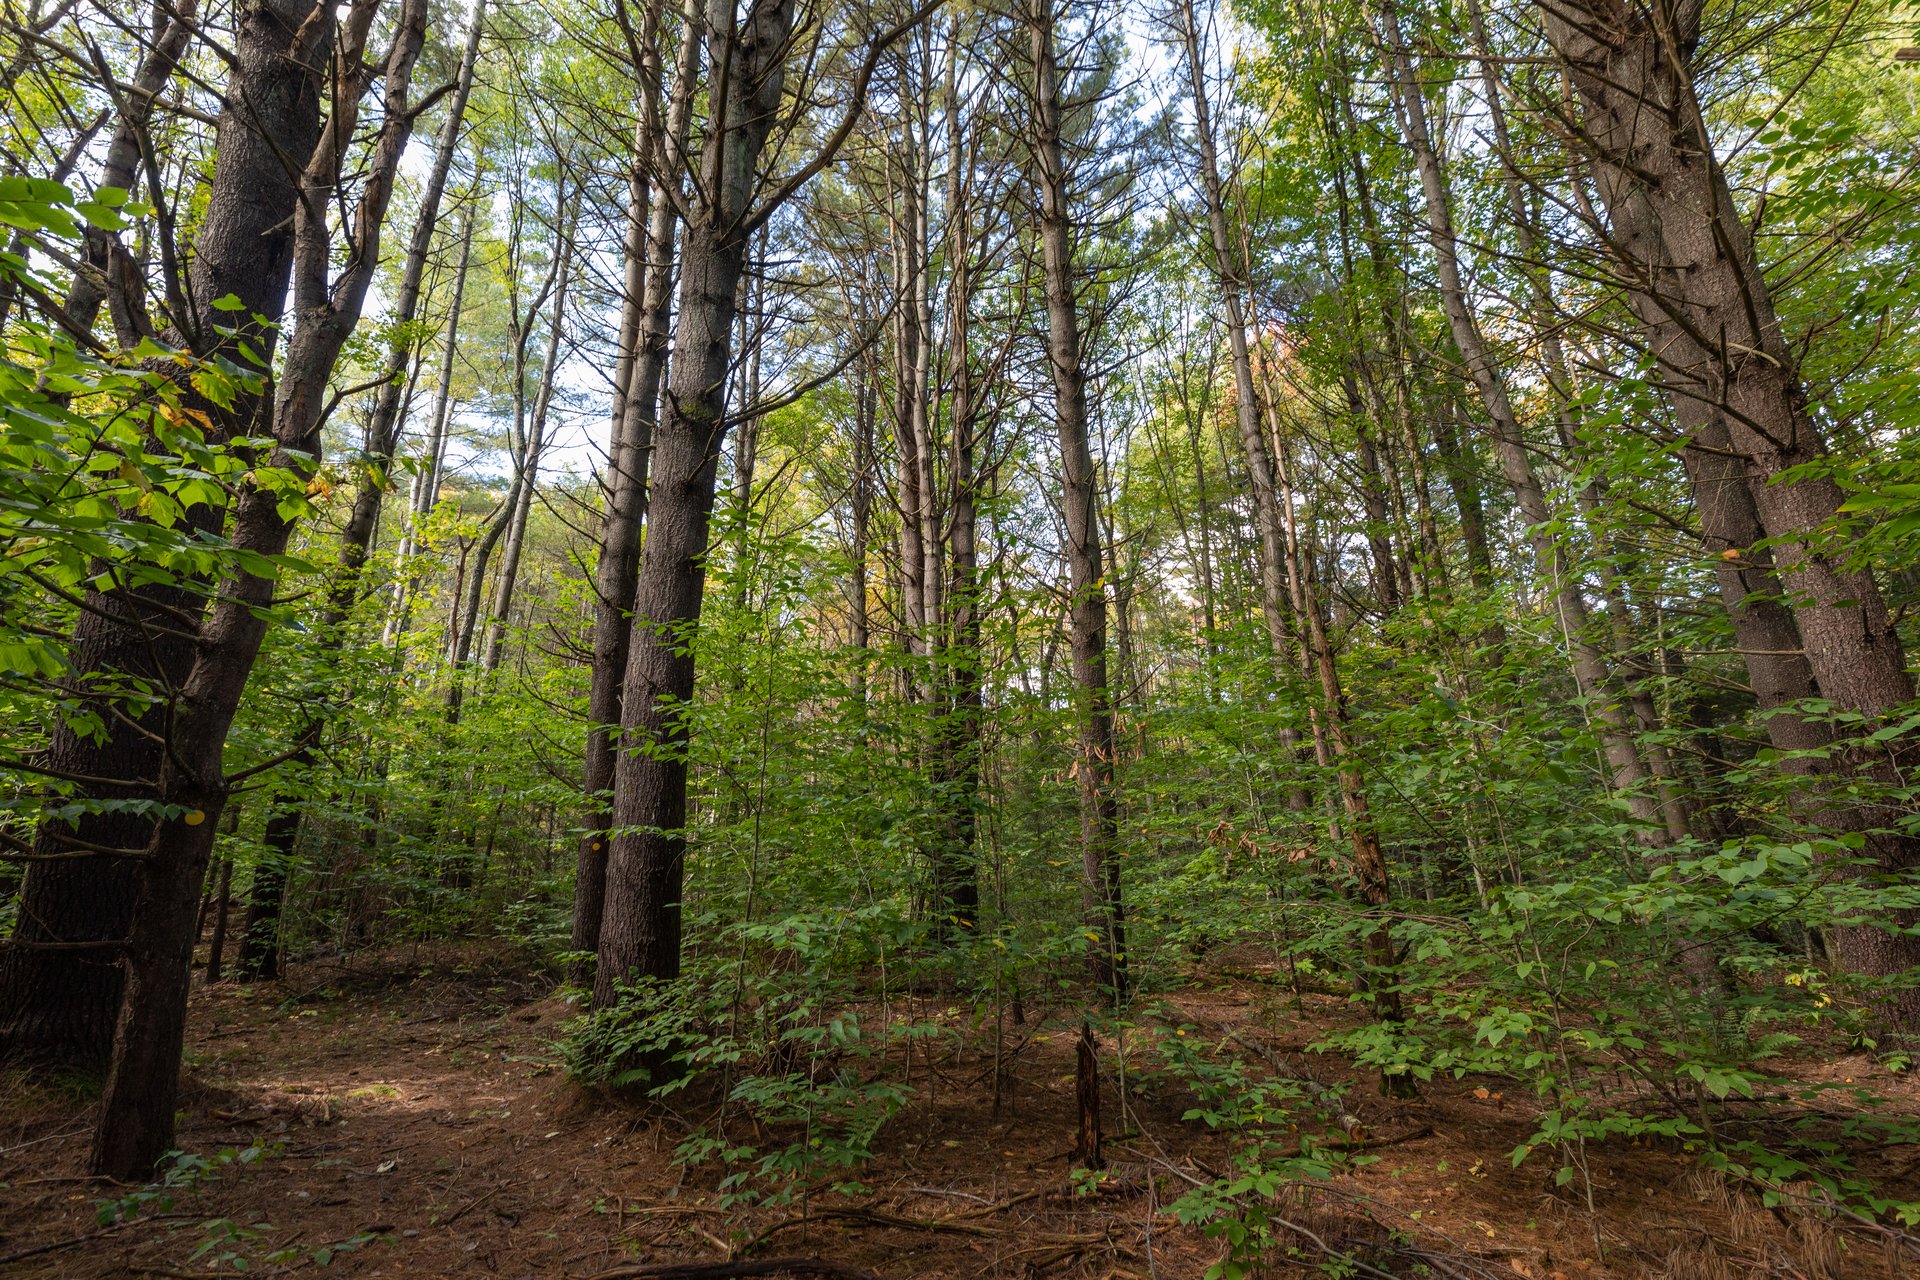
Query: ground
x,y
404,1116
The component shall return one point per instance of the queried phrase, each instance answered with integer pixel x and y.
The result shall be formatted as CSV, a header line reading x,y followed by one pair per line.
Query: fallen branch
x,y
729,1270
1361,1144
57,1245
868,1217
468,1207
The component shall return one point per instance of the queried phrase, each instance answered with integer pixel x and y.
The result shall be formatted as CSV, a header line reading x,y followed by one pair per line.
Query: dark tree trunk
x,y
640,929
649,281
1686,259
1087,606
58,1006
217,948
135,1125
259,955
258,959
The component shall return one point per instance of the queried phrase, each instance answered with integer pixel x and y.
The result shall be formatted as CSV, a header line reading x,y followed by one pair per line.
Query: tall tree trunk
x,y
957,753
259,954
136,1116
640,929
423,491
1629,774
61,981
1686,260
649,282
1087,607
526,481
1268,522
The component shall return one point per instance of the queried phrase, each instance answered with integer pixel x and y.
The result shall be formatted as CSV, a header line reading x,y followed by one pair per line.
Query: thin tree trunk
x,y
1629,775
216,949
423,492
527,469
957,755
102,253
1087,603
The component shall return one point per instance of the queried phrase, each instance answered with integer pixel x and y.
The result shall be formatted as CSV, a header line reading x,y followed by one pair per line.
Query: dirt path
x,y
411,1121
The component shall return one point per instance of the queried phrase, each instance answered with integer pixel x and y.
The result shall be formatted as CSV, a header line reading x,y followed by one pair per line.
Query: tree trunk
x,y
58,1004
135,1126
1629,774
640,930
1684,255
957,753
259,956
649,282
216,949
423,489
1268,522
526,480
1087,606
120,168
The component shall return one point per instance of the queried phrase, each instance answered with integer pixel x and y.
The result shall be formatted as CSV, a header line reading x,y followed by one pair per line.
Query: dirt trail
x,y
411,1121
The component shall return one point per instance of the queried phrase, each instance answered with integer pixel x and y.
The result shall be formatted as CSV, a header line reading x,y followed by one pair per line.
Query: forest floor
x,y
411,1120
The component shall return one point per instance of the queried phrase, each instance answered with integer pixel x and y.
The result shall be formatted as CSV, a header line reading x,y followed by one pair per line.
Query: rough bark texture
x,y
135,1126
1684,253
617,575
259,954
57,1007
1087,604
640,929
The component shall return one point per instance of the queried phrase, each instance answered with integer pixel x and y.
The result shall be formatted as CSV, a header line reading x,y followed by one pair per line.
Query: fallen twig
x,y
55,1246
467,1208
867,1216
728,1270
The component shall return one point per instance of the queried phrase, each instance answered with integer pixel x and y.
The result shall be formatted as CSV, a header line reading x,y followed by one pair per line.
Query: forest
x,y
960,638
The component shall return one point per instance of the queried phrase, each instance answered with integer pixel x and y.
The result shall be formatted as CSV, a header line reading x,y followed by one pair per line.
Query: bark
x,y
746,436
640,931
649,283
216,949
120,168
957,750
1268,522
1683,252
1087,601
259,956
58,1006
135,1126
747,64
1086,1092
1458,466
860,629
1628,773
910,392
